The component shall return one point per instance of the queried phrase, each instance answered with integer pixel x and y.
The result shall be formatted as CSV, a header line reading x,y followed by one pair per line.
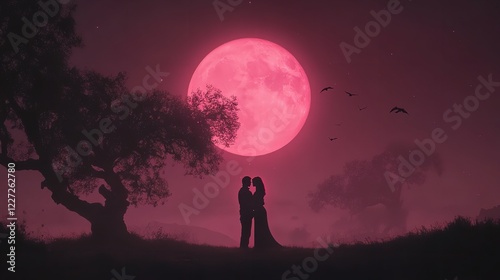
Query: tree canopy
x,y
365,183
84,131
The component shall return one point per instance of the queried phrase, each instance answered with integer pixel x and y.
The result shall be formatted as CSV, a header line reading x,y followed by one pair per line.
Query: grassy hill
x,y
462,250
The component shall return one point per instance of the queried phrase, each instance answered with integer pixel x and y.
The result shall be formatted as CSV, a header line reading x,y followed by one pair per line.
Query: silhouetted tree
x,y
85,132
366,183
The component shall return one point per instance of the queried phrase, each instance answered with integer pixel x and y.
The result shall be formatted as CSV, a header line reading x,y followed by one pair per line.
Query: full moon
x,y
271,88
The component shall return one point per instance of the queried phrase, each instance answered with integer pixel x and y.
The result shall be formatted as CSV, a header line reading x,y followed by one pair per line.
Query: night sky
x,y
427,59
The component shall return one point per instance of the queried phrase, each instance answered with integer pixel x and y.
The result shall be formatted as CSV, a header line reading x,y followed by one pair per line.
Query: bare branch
x,y
30,164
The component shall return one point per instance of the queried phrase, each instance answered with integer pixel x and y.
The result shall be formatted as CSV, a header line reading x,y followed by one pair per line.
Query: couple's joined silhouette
x,y
252,207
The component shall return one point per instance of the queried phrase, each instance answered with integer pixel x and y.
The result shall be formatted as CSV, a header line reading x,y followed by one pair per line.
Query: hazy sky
x,y
427,58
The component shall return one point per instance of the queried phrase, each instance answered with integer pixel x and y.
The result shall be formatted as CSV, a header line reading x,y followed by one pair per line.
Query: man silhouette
x,y
246,211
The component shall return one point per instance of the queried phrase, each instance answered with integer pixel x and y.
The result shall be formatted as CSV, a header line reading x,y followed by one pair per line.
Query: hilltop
x,y
462,249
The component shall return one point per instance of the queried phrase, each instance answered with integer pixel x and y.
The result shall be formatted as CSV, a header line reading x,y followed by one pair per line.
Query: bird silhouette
x,y
361,109
398,110
331,139
325,89
350,94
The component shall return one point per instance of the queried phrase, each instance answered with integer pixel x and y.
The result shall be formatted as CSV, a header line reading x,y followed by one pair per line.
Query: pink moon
x,y
271,88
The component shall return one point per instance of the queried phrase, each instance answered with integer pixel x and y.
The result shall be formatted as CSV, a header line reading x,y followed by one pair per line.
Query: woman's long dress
x,y
263,237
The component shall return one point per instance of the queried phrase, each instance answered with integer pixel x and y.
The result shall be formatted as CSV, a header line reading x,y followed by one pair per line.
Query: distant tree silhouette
x,y
490,213
48,108
364,184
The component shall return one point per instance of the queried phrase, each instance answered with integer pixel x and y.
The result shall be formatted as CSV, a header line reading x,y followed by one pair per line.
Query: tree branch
x,y
98,174
30,164
4,134
72,202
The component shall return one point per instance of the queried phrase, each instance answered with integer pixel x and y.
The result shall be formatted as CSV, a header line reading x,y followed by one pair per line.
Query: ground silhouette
x,y
463,249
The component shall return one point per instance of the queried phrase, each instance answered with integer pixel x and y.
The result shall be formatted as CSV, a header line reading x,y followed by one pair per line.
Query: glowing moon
x,y
271,88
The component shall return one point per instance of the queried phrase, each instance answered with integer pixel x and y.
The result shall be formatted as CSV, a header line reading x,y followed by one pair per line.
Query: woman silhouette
x,y
263,237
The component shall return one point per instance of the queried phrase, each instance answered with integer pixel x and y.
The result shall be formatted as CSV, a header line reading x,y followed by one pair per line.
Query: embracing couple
x,y
252,207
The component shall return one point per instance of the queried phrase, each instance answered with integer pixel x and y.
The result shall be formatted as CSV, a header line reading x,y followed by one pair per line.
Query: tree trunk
x,y
396,218
107,224
106,221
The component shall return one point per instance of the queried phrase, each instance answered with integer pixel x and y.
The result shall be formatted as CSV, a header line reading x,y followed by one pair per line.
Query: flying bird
x,y
331,139
350,94
361,109
398,110
325,89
